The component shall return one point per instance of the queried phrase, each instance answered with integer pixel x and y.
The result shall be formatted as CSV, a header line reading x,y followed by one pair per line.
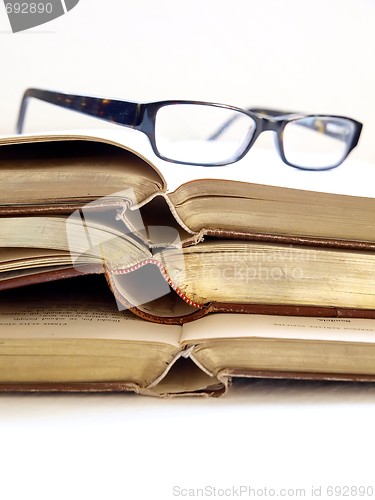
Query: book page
x,y
79,308
21,259
240,326
67,166
81,321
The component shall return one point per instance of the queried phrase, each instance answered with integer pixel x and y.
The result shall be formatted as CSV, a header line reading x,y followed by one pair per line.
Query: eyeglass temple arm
x,y
115,111
273,113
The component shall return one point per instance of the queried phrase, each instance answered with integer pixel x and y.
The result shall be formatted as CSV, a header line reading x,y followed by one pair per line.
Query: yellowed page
x,y
98,241
79,320
237,326
20,254
72,331
18,261
85,167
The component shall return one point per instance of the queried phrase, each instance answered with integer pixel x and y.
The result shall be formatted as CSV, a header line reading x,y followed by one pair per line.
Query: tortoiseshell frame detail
x,y
142,117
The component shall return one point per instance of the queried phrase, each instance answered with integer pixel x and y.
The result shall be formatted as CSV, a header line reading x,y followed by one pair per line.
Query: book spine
x,y
163,272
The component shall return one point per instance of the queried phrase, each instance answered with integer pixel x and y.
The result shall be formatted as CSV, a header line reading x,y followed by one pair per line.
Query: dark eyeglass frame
x,y
142,117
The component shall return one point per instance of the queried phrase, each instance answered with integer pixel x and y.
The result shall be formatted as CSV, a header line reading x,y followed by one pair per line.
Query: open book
x,y
73,338
74,205
60,173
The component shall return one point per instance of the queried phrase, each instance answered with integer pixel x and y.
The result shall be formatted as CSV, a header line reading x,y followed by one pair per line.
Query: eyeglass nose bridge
x,y
269,124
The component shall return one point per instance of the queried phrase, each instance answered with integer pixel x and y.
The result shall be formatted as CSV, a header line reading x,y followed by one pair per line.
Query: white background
x,y
304,56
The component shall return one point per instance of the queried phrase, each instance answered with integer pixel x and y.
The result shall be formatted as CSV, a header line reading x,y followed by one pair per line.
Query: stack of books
x,y
110,282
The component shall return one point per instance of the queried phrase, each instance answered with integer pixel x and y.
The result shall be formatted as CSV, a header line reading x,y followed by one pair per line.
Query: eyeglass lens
x,y
203,134
317,142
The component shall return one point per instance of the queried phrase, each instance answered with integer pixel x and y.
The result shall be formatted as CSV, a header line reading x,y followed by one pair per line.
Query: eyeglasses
x,y
211,134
